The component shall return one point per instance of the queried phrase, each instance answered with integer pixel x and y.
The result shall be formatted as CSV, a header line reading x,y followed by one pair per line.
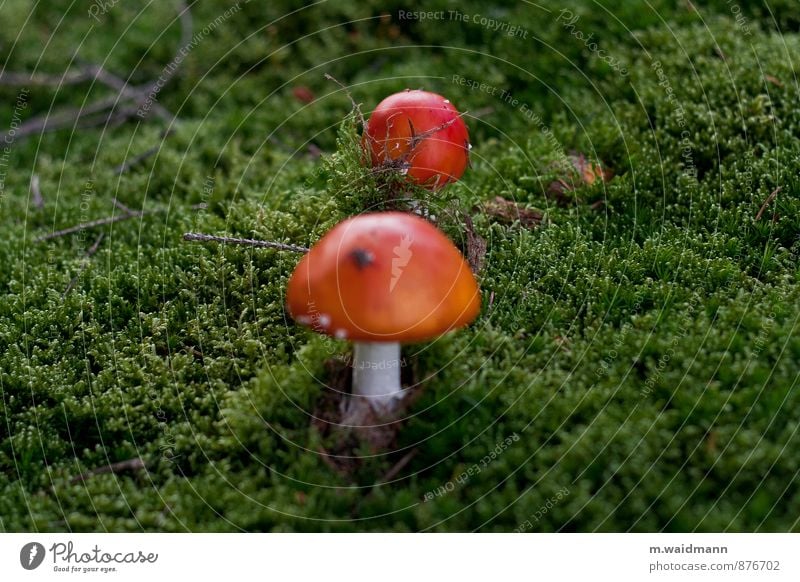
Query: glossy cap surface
x,y
388,276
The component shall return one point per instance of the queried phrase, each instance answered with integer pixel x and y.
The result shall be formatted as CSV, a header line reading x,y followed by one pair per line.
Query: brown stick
x,y
416,139
105,221
122,207
85,263
326,458
123,88
10,79
90,72
128,164
117,116
135,464
67,117
88,225
59,120
355,105
265,244
769,199
478,113
95,72
392,473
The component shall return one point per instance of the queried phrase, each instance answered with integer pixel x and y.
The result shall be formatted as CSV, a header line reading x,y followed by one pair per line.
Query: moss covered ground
x,y
635,363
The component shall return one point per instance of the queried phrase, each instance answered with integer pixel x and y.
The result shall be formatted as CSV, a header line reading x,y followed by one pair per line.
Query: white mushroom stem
x,y
376,374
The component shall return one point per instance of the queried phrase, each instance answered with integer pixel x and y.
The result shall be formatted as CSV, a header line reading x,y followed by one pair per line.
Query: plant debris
x,y
586,173
476,246
130,465
508,212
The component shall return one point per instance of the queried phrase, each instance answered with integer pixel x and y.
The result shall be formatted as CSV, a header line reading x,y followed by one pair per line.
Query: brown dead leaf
x,y
774,80
586,173
476,246
507,212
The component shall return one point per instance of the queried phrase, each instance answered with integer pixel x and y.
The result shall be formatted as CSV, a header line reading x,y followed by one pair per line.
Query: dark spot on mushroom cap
x,y
362,258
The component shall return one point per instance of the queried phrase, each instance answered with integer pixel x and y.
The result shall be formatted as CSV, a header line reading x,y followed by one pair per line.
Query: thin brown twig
x,y
69,117
128,164
121,206
769,199
107,220
356,106
73,117
12,79
88,225
478,113
117,116
85,263
399,466
416,138
135,464
326,458
59,120
125,90
266,244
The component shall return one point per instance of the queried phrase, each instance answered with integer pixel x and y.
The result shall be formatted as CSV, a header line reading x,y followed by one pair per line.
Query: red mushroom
x,y
381,279
422,134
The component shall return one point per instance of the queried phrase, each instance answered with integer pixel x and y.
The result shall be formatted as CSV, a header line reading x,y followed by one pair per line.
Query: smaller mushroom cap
x,y
388,276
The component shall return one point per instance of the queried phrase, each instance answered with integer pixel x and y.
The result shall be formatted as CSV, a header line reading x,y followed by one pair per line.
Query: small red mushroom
x,y
381,279
421,134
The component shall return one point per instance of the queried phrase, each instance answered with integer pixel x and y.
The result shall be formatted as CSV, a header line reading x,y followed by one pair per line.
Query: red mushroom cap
x,y
437,160
388,276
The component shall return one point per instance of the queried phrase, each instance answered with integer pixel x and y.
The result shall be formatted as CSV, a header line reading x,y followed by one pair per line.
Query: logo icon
x,y
402,254
31,555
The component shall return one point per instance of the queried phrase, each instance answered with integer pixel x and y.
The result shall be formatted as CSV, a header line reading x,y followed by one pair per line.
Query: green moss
x,y
641,342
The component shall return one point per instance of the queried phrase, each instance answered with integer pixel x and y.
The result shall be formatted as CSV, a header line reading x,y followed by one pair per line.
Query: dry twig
x,y
59,120
88,225
110,111
137,94
122,206
128,164
107,220
135,464
265,244
767,202
399,466
476,246
11,79
356,106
